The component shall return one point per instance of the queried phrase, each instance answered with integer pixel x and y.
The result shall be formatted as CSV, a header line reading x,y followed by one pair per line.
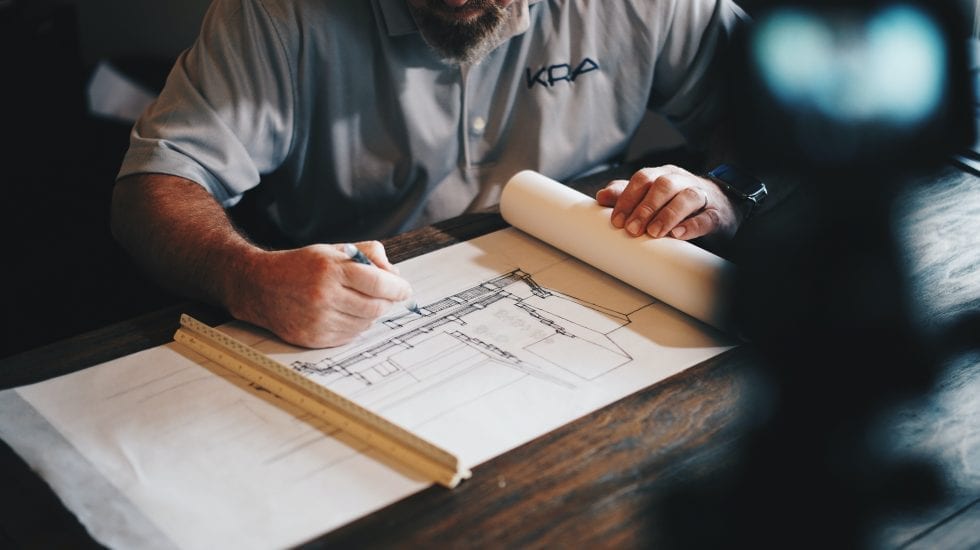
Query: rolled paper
x,y
675,272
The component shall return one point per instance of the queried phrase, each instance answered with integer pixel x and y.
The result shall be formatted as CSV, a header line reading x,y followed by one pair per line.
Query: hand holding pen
x,y
316,296
355,254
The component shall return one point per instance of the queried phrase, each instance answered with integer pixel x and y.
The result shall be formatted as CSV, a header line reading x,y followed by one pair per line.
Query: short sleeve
x,y
689,81
225,115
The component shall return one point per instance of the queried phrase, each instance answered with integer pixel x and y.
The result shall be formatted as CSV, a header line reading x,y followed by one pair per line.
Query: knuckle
x,y
317,252
694,226
663,183
616,185
612,193
645,175
692,194
318,296
323,264
670,212
374,247
712,217
633,192
347,271
642,179
644,211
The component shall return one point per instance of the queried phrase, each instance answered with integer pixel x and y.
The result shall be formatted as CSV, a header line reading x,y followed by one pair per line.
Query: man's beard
x,y
460,42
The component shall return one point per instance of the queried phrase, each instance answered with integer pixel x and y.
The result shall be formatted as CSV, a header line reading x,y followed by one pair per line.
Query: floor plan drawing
x,y
508,323
506,320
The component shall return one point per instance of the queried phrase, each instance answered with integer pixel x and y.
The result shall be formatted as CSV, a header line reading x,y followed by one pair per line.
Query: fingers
x,y
316,296
375,283
330,328
703,224
667,201
682,205
359,305
376,252
336,329
610,194
631,211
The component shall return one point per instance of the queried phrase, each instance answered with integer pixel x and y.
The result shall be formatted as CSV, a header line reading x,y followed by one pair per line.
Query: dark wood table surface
x,y
606,479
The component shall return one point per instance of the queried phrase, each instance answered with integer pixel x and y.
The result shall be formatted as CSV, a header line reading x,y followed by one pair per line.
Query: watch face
x,y
739,183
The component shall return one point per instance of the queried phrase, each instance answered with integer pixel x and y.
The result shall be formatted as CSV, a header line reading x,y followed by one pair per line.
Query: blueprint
x,y
516,338
509,325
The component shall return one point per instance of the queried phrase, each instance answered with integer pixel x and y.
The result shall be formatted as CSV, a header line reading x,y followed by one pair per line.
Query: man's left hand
x,y
668,200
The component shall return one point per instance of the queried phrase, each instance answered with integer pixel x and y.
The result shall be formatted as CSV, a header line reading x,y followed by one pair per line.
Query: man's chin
x,y
463,41
469,56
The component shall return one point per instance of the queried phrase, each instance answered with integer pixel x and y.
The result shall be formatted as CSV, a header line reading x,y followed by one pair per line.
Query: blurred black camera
x,y
876,87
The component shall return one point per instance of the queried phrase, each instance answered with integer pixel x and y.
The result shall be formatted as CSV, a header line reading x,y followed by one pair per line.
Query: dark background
x,y
64,273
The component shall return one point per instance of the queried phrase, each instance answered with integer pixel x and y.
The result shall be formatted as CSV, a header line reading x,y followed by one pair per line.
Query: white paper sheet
x,y
517,339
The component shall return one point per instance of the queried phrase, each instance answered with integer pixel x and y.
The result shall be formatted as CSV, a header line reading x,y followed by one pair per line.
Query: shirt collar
x,y
398,20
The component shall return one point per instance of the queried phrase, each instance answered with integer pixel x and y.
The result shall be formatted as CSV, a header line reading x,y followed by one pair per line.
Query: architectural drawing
x,y
509,322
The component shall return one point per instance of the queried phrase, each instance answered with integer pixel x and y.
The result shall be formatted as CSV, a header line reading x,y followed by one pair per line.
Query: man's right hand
x,y
316,296
312,296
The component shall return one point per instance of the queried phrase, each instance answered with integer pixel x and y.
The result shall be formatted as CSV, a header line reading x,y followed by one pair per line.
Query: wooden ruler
x,y
405,447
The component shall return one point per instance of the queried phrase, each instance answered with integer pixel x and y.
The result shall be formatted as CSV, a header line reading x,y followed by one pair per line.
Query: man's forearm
x,y
311,296
180,235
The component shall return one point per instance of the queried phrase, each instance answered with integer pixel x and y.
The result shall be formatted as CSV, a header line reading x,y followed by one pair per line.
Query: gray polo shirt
x,y
356,129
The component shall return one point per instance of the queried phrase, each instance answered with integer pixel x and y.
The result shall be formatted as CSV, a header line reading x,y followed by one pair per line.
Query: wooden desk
x,y
602,480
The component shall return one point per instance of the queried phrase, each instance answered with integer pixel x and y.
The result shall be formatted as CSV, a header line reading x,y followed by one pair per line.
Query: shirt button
x,y
478,125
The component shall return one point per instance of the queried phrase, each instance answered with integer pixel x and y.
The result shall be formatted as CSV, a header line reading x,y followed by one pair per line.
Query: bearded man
x,y
360,119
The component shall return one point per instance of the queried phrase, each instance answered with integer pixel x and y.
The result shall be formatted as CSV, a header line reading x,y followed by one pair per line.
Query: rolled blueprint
x,y
675,272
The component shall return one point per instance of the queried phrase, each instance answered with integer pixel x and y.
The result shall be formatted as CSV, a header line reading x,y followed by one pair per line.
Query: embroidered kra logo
x,y
550,75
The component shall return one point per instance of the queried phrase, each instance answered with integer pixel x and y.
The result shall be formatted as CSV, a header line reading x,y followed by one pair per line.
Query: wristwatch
x,y
744,188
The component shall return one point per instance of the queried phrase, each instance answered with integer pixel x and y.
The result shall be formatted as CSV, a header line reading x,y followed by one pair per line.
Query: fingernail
x,y
678,232
654,230
634,228
618,220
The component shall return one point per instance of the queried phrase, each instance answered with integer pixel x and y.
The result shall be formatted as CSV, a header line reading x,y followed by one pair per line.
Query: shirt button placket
x,y
477,126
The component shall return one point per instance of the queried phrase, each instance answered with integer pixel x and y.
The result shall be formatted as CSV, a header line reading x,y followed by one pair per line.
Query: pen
x,y
354,254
